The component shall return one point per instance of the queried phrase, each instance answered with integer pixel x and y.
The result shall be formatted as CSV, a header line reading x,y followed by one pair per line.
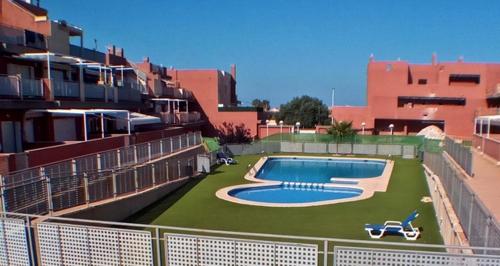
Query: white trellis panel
x,y
293,254
347,256
104,246
64,244
13,242
183,250
50,244
255,253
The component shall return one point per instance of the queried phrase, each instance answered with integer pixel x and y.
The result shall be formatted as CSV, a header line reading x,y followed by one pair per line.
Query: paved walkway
x,y
486,182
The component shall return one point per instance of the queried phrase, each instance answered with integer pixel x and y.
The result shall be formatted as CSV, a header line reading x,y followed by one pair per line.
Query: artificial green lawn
x,y
196,206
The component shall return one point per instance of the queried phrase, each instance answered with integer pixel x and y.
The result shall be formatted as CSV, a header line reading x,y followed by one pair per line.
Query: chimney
x,y
461,59
434,59
233,71
371,58
146,59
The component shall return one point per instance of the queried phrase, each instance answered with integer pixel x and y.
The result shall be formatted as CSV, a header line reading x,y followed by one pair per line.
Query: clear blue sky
x,y
287,48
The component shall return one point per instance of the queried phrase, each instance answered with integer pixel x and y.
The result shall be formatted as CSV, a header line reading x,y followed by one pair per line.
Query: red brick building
x,y
413,96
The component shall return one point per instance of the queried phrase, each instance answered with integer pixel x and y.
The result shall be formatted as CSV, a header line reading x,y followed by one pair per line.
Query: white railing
x,y
60,239
80,180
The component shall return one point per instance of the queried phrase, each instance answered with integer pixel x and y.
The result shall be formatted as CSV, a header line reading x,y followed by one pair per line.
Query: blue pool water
x,y
318,170
284,194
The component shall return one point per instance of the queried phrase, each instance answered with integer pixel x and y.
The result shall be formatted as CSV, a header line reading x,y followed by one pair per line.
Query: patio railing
x,y
90,178
478,223
69,241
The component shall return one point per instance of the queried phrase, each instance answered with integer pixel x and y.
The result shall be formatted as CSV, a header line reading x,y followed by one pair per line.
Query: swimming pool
x,y
318,170
300,181
293,194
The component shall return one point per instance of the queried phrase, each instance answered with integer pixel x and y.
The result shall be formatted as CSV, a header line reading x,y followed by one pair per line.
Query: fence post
x,y
179,169
470,216
187,139
86,188
166,172
161,147
486,233
149,151
171,144
158,250
98,158
180,142
50,204
118,158
135,154
325,252
153,177
73,167
113,180
136,180
2,191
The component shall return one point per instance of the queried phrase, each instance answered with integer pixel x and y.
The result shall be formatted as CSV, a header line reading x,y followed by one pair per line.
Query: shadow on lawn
x,y
155,209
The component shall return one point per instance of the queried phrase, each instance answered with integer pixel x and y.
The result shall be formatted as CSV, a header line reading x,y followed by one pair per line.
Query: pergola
x,y
487,125
116,114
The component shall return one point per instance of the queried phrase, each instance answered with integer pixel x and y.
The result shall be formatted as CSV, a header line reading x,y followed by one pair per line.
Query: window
x,y
464,79
422,81
410,101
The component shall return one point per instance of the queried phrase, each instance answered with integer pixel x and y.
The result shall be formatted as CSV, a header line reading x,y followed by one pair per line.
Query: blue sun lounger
x,y
404,228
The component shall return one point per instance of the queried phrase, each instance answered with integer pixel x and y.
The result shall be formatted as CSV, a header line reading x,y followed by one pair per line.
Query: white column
x,y
489,127
102,125
128,122
84,127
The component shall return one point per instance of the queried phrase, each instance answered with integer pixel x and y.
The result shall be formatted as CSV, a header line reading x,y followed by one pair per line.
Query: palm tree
x,y
341,130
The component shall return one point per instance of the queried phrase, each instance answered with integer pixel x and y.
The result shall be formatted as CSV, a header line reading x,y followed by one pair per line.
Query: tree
x,y
231,133
342,130
307,110
264,104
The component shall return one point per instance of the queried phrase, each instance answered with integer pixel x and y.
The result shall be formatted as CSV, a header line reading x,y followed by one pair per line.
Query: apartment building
x,y
411,97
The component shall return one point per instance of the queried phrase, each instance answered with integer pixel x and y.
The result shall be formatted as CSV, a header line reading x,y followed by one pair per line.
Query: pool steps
x,y
303,185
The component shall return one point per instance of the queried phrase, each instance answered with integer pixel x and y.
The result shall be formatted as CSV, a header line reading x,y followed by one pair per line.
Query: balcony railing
x,y
18,36
66,89
180,118
15,87
94,91
9,86
130,92
32,88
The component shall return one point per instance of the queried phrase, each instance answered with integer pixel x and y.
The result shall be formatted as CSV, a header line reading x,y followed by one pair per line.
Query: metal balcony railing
x,y
9,86
32,88
65,89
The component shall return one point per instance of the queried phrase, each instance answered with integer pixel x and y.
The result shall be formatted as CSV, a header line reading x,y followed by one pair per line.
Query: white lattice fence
x,y
13,242
63,244
347,256
184,250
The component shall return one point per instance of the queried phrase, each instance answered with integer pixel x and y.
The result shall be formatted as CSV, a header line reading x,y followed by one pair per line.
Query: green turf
x,y
196,205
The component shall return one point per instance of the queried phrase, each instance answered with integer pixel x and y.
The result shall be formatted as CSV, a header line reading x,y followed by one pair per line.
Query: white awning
x,y
142,119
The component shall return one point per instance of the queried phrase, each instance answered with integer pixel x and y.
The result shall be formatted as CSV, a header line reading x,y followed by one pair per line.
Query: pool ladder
x,y
303,185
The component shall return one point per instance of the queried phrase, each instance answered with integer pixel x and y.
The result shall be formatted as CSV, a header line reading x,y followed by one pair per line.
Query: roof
x,y
35,10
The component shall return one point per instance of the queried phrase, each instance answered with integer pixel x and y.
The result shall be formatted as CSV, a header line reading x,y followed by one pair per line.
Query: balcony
x,y
180,118
87,54
66,89
130,92
99,92
15,87
22,37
